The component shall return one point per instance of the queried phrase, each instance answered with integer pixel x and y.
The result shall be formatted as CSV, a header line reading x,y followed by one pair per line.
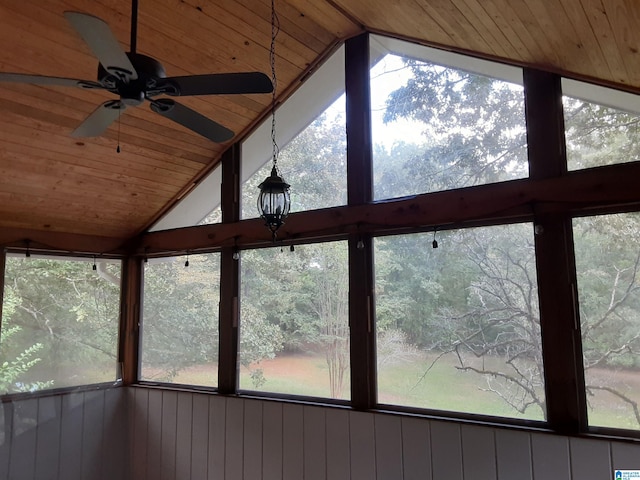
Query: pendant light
x,y
274,201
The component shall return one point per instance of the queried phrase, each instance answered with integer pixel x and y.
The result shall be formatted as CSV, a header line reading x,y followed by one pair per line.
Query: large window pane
x,y
180,320
59,323
602,126
438,126
607,262
458,326
314,163
311,135
294,333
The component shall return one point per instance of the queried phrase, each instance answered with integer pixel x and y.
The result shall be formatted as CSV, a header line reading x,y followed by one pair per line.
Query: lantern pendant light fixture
x,y
274,201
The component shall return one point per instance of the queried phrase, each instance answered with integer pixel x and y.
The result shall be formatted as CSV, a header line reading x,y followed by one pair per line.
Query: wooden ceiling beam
x,y
597,190
17,239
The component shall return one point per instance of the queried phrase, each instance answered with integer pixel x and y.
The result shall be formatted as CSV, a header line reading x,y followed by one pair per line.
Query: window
x,y
458,326
314,163
608,262
311,135
294,326
59,323
602,126
443,121
180,320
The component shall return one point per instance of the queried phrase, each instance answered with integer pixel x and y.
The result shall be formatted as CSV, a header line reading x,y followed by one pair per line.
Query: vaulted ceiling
x,y
53,182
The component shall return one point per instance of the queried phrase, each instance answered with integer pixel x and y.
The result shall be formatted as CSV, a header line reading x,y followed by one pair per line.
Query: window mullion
x,y
229,277
130,316
3,261
555,262
359,187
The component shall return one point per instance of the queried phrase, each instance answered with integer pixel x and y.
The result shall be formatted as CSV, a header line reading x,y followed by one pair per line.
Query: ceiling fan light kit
x,y
136,78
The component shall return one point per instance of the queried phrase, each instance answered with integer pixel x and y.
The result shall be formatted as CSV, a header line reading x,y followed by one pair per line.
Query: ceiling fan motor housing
x,y
133,92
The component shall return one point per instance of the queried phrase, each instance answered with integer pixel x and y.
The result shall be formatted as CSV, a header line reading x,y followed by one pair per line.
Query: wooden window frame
x,y
549,198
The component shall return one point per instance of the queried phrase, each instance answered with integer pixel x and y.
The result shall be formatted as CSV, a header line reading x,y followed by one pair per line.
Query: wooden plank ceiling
x,y
51,182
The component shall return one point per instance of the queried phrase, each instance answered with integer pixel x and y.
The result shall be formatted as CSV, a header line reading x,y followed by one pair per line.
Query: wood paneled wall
x,y
182,435
195,436
75,436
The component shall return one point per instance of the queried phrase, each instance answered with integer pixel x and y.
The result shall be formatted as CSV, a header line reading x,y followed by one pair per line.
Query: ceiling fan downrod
x,y
134,26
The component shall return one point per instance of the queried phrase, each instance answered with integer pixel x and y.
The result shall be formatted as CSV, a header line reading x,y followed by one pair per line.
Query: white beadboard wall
x,y
74,436
195,436
192,436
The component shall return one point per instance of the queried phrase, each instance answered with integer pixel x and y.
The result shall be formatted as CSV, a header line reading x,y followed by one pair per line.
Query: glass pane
x,y
314,163
600,134
59,323
180,320
458,325
436,128
607,262
294,330
214,216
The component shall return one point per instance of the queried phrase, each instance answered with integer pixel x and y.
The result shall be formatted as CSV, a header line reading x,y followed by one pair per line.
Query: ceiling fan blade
x,y
47,81
103,43
192,120
100,119
219,84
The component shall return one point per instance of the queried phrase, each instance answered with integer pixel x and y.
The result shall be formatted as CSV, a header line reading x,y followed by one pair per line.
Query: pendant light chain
x,y
274,201
275,28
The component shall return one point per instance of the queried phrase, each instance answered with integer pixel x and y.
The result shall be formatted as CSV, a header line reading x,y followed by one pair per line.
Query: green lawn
x,y
442,388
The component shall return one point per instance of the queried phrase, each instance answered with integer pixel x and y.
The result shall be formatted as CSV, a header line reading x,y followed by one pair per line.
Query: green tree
x,y
60,322
608,263
314,163
501,317
327,276
475,135
302,294
180,315
474,127
12,372
299,302
599,135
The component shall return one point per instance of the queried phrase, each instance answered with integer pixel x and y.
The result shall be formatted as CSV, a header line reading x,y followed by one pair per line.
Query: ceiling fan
x,y
134,78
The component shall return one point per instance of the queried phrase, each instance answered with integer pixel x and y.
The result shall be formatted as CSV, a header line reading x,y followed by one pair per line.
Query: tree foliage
x,y
180,315
13,371
473,134
301,296
59,322
474,298
473,128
